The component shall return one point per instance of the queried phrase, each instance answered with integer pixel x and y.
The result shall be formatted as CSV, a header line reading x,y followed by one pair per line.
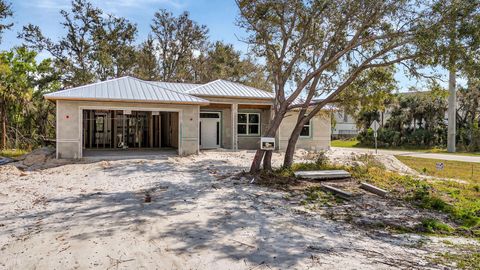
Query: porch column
x,y
234,126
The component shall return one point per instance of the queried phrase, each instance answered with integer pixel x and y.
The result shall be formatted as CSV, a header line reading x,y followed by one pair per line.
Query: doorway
x,y
210,130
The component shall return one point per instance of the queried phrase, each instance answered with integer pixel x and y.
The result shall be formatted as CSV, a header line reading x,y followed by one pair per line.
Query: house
x,y
129,114
344,126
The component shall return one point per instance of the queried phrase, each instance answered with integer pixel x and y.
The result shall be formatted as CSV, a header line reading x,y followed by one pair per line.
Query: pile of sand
x,y
6,171
351,158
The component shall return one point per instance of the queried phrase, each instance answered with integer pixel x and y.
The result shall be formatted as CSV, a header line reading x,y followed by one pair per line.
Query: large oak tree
x,y
318,48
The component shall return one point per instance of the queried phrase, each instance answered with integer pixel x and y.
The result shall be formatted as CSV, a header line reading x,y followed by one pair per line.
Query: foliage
x,y
311,50
416,119
12,153
95,47
432,225
5,12
178,39
369,94
25,116
468,116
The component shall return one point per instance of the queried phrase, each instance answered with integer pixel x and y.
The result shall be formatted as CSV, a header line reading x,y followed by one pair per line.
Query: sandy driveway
x,y
93,215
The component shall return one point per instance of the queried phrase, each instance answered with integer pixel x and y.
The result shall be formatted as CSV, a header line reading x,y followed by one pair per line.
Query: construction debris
x,y
373,189
338,192
4,160
323,175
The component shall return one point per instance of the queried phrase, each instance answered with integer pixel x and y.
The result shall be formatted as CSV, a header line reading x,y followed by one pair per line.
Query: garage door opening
x,y
129,130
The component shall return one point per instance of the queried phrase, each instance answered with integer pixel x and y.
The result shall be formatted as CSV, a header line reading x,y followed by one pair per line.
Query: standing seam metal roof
x,y
126,88
229,89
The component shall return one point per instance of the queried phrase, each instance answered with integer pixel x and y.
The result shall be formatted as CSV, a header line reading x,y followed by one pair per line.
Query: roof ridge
x,y
202,85
150,83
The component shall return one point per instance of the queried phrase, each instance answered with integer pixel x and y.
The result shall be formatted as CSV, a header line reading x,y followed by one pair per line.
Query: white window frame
x,y
248,124
309,130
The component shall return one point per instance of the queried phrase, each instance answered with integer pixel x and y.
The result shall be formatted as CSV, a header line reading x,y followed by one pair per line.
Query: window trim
x,y
247,124
309,130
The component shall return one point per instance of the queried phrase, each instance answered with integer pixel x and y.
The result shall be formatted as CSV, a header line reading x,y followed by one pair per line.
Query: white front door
x,y
209,130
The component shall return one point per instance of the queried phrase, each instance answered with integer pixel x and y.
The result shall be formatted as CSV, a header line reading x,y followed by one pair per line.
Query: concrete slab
x,y
323,175
119,154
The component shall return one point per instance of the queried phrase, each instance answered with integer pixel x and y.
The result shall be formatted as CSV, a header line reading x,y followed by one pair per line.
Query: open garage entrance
x,y
129,130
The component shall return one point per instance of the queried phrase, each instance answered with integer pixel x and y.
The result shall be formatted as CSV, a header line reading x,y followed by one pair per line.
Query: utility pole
x,y
452,111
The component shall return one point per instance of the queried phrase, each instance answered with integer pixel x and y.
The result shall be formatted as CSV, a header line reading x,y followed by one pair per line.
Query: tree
x,y
21,79
96,46
416,119
452,40
179,39
146,61
222,61
5,12
308,46
113,47
368,95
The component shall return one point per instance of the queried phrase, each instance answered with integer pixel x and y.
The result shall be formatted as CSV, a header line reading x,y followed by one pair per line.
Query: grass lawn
x,y
344,143
356,143
467,171
12,153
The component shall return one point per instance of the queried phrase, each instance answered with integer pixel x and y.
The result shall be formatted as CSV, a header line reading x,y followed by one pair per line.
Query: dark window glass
x,y
209,115
305,130
218,133
253,129
242,118
253,118
242,129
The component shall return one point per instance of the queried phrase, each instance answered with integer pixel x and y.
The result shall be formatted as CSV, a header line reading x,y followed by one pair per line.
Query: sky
x,y
218,15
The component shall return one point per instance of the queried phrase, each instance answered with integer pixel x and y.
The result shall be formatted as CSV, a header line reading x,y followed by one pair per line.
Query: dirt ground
x,y
93,215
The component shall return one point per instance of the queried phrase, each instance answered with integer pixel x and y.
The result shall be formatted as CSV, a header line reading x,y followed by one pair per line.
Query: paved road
x,y
414,154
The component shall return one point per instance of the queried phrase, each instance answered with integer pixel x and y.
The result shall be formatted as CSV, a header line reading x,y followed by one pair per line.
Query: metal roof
x,y
126,89
180,87
222,88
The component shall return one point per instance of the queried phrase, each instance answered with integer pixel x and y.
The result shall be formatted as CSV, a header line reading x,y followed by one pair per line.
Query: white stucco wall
x,y
69,123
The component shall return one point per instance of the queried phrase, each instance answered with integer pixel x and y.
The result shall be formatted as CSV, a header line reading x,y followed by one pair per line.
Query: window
x,y
306,129
248,124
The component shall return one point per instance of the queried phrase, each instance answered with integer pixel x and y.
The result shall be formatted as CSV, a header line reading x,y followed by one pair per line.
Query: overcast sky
x,y
218,15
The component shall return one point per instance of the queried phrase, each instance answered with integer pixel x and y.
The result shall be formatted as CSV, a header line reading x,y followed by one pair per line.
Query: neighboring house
x,y
129,113
344,127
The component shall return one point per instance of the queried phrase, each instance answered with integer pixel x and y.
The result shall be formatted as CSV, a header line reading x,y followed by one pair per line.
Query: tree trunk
x,y
267,161
452,111
272,130
292,142
4,128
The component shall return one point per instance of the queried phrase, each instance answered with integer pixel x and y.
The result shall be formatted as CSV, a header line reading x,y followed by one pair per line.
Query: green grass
x,y
12,153
468,171
344,143
435,150
462,256
459,200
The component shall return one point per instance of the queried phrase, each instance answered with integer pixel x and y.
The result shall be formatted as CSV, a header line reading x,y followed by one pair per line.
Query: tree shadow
x,y
235,220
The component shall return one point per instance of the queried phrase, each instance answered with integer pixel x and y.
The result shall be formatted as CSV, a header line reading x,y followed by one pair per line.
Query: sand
x,y
94,216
